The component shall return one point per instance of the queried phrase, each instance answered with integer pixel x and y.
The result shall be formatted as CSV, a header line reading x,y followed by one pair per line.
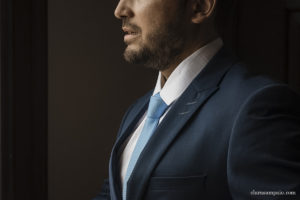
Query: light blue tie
x,y
156,109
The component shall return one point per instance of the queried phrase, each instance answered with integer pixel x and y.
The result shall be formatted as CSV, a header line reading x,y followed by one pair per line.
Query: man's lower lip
x,y
129,37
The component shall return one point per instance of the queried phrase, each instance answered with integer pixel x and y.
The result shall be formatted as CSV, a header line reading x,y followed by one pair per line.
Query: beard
x,y
161,48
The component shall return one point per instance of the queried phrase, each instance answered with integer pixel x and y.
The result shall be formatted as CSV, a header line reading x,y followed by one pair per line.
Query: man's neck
x,y
186,53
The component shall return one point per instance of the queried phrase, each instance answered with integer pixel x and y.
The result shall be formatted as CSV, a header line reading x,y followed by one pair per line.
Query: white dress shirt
x,y
176,84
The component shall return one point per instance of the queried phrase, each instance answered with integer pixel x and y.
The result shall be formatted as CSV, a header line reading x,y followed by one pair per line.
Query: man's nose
x,y
123,10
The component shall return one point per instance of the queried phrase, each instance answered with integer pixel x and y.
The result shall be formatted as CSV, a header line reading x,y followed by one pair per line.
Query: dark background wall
x,y
90,88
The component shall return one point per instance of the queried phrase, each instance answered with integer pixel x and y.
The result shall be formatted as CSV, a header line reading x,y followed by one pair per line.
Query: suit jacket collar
x,y
202,87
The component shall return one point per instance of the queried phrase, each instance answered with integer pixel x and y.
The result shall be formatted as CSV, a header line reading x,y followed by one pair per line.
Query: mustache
x,y
135,28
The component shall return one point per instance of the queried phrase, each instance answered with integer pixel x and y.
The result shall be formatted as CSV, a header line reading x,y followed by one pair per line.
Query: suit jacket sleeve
x,y
264,149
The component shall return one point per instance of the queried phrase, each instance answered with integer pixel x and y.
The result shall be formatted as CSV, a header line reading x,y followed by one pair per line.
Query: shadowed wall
x,y
90,88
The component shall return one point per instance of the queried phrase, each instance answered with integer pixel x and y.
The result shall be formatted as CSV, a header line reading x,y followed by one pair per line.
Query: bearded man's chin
x,y
130,55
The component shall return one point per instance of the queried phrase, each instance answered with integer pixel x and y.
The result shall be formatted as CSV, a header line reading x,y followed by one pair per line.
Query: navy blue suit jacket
x,y
231,135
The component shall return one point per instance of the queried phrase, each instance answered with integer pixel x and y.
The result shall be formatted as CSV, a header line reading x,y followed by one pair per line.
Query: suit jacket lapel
x,y
204,85
165,133
130,120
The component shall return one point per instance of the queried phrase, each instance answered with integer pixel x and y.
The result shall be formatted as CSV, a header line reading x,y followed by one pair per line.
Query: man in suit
x,y
210,129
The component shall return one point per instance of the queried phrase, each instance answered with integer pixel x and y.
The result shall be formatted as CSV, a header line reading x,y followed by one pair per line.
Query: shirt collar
x,y
186,71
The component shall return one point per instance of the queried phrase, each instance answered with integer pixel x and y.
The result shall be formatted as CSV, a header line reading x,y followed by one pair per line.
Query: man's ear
x,y
202,9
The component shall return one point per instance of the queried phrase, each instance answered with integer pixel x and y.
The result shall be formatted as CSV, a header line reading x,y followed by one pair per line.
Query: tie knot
x,y
156,107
